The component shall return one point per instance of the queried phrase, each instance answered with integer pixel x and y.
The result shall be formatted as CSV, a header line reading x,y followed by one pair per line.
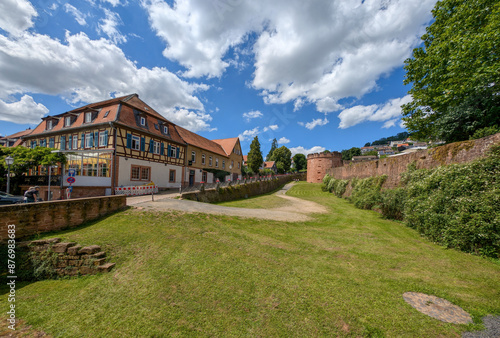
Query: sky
x,y
316,75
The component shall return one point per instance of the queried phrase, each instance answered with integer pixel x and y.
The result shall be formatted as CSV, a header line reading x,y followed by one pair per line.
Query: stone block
x,y
101,254
106,267
99,261
73,251
62,247
91,249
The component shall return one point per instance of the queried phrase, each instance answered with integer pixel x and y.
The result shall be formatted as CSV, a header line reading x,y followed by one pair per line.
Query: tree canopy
x,y
300,161
255,159
283,158
347,154
455,75
274,146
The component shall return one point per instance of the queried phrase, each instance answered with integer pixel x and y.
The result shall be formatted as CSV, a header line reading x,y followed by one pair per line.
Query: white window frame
x,y
165,129
210,161
156,147
223,164
136,143
203,159
173,151
88,117
217,162
75,141
88,144
102,138
49,125
143,121
193,156
67,121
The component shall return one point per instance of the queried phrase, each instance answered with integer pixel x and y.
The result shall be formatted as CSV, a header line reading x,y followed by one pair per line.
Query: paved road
x,y
296,210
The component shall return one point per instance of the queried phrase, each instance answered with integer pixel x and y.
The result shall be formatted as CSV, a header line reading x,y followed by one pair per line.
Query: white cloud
x,y
302,150
390,123
389,112
283,140
306,52
115,3
271,127
357,114
314,123
79,16
250,134
17,16
26,110
82,70
252,115
108,26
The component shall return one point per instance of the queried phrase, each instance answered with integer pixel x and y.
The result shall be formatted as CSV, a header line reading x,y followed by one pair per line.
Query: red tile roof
x,y
227,144
18,134
200,142
268,164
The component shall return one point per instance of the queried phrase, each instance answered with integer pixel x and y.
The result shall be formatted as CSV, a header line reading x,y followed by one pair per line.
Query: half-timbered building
x,y
125,142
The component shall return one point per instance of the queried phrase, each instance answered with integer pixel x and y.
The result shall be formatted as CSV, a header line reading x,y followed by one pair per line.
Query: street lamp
x,y
9,161
48,190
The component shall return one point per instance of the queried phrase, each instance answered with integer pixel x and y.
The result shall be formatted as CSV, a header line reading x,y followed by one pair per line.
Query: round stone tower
x,y
318,164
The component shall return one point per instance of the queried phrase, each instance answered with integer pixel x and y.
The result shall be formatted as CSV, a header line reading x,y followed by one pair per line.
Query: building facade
x,y
116,143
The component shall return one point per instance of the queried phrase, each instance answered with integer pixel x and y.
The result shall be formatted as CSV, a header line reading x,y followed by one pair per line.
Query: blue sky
x,y
314,75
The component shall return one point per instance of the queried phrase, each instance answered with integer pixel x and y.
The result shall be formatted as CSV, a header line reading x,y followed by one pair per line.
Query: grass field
x,y
342,274
267,201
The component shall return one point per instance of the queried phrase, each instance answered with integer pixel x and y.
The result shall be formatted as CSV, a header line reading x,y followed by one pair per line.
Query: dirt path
x,y
295,211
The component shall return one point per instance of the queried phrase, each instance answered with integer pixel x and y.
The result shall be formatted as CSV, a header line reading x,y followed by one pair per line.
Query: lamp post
x,y
9,161
48,190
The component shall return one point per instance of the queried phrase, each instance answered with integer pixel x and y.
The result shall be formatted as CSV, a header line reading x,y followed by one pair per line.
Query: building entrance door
x,y
191,177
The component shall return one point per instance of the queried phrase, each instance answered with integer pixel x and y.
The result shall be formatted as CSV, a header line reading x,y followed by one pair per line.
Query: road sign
x,y
71,172
70,180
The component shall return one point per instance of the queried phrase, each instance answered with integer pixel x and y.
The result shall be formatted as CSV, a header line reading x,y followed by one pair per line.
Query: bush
x,y
393,203
366,192
485,132
331,184
458,205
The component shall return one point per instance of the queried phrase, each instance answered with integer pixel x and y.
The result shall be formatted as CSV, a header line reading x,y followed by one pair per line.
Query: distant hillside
x,y
384,140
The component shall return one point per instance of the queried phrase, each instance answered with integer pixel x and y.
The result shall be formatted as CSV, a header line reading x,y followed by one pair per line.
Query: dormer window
x,y
88,117
50,124
143,121
67,121
165,129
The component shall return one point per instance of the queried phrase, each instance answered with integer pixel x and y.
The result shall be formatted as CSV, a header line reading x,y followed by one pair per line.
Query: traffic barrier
x,y
136,190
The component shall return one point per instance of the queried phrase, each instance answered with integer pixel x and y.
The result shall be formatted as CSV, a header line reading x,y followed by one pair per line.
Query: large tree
x,y
347,154
455,76
283,158
274,146
24,159
300,161
255,159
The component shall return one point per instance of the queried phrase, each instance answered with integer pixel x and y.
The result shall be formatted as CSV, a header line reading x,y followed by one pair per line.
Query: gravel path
x,y
492,329
296,211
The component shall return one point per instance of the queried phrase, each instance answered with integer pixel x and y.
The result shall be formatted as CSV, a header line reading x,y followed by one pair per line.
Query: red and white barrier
x,y
137,190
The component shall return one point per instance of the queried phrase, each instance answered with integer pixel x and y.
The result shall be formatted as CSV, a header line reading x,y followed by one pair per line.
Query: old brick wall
x,y
62,258
34,218
458,152
241,191
318,164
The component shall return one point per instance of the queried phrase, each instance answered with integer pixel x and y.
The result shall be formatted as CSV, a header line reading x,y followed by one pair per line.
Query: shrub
x,y
393,203
458,205
366,192
487,131
331,184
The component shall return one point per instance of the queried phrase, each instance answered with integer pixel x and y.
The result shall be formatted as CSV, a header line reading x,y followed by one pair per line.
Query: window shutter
x,y
168,150
151,144
162,148
143,144
91,139
178,152
105,138
63,142
96,139
70,143
129,140
83,141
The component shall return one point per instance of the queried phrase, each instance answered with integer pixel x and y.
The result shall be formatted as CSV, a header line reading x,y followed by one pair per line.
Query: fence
x,y
136,190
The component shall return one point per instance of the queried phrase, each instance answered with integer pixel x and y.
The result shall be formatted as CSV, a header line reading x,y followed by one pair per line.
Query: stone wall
x,y
62,259
36,218
241,191
318,164
458,152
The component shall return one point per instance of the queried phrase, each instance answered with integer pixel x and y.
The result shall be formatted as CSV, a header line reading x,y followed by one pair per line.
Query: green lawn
x,y
267,201
342,274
